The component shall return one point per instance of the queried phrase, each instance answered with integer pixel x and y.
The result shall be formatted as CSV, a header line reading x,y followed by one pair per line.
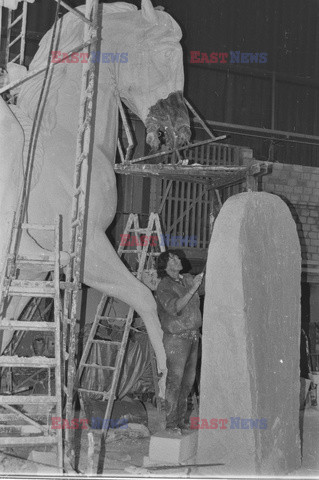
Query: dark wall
x,y
288,31
280,94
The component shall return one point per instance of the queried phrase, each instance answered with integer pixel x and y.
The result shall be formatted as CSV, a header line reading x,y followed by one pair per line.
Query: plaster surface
x,y
251,335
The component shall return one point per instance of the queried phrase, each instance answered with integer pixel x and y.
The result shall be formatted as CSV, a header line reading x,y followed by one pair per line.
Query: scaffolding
x,y
72,284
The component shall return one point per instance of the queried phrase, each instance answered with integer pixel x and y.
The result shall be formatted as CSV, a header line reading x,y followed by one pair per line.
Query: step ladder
x,y
12,287
30,313
145,256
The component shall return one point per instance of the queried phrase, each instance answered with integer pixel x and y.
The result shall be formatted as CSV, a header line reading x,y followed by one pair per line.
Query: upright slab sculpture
x,y
148,75
249,391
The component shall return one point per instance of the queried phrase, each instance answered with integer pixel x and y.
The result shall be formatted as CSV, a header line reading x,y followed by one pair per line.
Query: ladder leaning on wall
x,y
15,29
145,258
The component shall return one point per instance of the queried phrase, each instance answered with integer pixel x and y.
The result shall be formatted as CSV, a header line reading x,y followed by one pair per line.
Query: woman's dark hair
x,y
163,260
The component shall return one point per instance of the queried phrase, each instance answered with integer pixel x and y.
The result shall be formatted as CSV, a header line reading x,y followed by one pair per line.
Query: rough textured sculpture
x,y
153,75
251,335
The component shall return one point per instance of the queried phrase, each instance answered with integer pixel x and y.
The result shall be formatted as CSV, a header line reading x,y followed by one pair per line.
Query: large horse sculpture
x,y
151,84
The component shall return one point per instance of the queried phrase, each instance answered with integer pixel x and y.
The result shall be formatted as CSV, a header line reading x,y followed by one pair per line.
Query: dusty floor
x,y
125,449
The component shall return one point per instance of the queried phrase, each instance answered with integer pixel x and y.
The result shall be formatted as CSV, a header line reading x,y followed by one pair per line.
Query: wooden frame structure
x,y
72,285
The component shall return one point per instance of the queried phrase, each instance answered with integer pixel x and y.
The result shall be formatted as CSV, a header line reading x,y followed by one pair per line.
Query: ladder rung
x,y
139,230
15,361
36,259
15,21
70,286
8,417
34,226
27,399
10,428
15,40
94,365
106,342
36,326
85,390
30,288
28,440
100,317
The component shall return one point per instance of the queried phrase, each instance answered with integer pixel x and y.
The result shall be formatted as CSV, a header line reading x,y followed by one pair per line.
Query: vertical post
x,y
73,273
9,21
273,107
90,463
57,340
155,194
23,31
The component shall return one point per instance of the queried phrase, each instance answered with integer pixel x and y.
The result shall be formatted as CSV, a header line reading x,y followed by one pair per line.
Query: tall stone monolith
x,y
251,334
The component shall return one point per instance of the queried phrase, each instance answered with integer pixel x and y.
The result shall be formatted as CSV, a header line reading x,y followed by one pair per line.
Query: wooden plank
x,y
208,154
27,399
183,170
175,216
188,202
169,210
196,155
28,440
199,217
182,201
205,241
193,214
37,361
202,155
167,185
21,325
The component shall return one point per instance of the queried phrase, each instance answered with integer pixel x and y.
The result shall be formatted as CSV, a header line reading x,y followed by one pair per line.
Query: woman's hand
x,y
197,281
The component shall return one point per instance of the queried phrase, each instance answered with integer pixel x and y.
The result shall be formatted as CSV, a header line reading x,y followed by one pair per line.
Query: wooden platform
x,y
212,176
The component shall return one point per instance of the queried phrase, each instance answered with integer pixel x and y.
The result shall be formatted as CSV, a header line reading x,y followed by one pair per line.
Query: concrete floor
x,y
124,452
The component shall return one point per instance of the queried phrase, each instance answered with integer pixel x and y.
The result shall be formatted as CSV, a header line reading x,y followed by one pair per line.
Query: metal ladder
x,y
12,286
142,252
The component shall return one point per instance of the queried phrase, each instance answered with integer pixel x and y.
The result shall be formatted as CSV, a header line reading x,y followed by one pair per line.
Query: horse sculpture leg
x,y
104,271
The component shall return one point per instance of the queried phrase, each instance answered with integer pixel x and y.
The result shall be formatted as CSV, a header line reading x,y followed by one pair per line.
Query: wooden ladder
x,y
144,256
12,286
19,22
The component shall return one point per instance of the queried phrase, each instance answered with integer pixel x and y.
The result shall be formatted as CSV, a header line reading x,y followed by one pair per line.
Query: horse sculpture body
x,y
150,83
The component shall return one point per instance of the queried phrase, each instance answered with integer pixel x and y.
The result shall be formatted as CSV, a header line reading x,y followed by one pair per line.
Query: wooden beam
x,y
212,176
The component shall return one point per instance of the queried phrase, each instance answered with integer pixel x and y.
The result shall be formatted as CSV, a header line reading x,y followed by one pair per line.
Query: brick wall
x,y
298,186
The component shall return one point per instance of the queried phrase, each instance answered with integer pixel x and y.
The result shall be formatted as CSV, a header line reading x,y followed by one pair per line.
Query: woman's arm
x,y
182,302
